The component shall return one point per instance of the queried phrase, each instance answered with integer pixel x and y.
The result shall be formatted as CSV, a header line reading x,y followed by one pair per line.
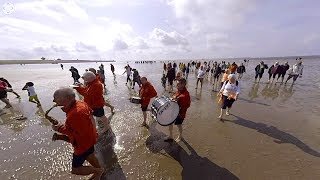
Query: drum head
x,y
167,113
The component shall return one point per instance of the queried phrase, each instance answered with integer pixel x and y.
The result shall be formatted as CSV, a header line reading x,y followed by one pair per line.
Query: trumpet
x,y
51,119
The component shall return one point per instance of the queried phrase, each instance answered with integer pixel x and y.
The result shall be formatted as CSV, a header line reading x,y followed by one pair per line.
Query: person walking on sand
x,y
92,94
241,69
282,71
136,78
171,76
260,70
9,89
273,71
146,92
182,97
61,65
128,71
74,74
80,132
3,94
187,70
295,72
33,97
229,93
164,81
112,68
200,76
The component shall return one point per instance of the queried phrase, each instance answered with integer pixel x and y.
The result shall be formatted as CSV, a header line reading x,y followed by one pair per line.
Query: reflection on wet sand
x,y
194,166
281,136
108,159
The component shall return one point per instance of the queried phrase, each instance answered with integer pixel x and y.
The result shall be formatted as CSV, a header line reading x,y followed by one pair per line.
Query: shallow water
x,y
273,133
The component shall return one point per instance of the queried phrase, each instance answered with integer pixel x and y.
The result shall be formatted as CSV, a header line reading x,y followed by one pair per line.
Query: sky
x,y
158,29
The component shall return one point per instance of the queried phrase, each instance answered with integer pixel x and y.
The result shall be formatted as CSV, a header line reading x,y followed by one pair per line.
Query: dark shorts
x,y
144,108
226,102
3,94
78,160
98,112
170,82
178,121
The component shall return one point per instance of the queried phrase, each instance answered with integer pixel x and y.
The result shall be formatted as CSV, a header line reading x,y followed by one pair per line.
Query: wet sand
x,y
273,132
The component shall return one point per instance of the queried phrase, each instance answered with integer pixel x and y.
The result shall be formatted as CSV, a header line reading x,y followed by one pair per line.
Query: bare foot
x,y
220,117
112,109
227,113
97,175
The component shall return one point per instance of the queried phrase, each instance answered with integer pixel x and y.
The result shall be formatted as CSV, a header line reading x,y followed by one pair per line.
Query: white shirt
x,y
230,88
297,69
201,73
31,91
128,69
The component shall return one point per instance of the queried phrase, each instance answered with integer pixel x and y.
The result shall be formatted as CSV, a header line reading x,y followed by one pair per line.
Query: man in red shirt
x,y
147,92
92,93
182,97
80,131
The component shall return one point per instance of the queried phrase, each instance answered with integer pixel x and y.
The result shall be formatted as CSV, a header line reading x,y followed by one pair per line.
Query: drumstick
x,y
52,120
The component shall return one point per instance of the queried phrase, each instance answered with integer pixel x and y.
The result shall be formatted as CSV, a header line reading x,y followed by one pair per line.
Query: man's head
x,y
144,80
261,62
93,70
88,77
64,96
181,84
232,78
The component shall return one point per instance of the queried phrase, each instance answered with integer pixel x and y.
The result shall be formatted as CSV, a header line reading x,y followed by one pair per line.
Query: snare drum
x,y
164,110
135,100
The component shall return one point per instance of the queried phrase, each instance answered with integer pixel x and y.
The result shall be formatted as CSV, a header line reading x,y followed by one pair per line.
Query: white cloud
x,y
167,39
120,45
31,26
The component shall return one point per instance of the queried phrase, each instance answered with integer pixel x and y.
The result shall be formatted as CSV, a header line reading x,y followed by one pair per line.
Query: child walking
x,y
32,93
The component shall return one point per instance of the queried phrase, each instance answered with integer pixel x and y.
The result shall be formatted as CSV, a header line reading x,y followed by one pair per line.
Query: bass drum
x,y
164,110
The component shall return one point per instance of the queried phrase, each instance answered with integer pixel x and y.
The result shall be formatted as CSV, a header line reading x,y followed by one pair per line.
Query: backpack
x,y
237,83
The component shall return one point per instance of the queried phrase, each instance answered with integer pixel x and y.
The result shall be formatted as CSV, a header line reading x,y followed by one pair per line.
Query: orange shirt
x,y
79,128
233,68
93,94
183,101
147,92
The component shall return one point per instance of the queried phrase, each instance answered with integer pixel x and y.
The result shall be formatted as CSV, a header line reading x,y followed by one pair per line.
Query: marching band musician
x,y
93,96
146,92
182,97
80,131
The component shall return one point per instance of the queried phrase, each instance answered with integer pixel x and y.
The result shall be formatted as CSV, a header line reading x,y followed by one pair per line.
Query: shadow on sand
x,y
194,166
280,136
108,159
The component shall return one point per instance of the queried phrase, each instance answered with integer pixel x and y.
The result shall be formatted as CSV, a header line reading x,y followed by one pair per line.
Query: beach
x,y
273,132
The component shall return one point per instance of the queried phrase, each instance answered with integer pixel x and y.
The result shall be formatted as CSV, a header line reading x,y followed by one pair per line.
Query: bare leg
x,y
87,170
221,113
105,122
110,106
6,101
228,111
144,118
169,138
180,133
93,160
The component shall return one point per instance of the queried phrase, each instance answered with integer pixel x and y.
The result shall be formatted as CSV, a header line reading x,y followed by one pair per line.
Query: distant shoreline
x,y
6,62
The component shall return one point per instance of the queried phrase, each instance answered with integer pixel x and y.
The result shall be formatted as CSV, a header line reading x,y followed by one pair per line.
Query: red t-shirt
x,y
147,92
79,128
183,99
93,94
3,85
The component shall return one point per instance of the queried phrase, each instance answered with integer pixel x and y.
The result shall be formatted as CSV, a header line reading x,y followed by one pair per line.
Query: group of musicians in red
x,y
79,128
